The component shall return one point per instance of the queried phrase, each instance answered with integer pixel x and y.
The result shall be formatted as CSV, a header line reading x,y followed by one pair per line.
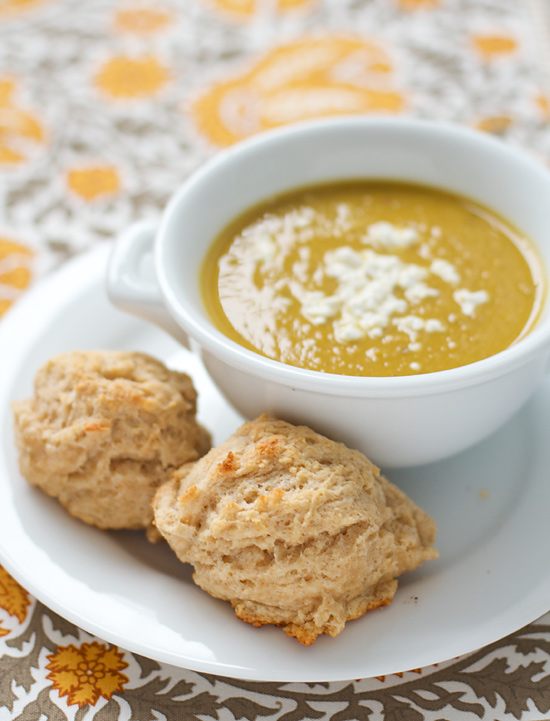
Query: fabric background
x,y
105,107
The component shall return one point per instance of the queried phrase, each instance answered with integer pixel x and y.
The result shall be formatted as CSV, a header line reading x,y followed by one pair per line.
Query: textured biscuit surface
x,y
103,430
292,528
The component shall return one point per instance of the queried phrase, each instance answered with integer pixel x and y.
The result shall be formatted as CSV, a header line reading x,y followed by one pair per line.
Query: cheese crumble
x,y
376,290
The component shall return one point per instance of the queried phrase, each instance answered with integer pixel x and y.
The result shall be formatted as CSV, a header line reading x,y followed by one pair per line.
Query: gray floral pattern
x,y
510,679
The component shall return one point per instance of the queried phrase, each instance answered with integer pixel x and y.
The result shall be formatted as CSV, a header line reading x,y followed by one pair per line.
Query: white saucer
x,y
491,504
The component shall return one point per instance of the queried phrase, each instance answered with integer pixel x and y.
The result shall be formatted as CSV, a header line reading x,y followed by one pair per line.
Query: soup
x,y
372,278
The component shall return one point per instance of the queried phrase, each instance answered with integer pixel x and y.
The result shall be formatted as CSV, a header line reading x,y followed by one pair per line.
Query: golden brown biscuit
x,y
292,528
103,430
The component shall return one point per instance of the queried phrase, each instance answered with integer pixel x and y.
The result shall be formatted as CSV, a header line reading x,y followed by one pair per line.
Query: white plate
x,y
491,505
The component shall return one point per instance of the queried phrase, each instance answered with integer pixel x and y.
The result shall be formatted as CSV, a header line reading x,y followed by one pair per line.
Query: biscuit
x,y
292,528
103,430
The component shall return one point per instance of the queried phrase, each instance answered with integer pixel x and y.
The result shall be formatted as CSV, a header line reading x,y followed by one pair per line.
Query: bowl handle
x,y
132,283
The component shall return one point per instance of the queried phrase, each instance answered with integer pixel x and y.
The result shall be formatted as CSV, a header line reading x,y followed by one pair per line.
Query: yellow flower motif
x,y
249,8
418,4
10,7
142,20
495,124
291,4
4,306
18,277
87,673
128,78
312,77
19,130
93,182
13,597
490,46
15,276
543,105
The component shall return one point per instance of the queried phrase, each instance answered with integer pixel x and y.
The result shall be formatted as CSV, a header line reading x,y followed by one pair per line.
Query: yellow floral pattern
x,y
419,4
142,20
15,271
87,673
490,46
93,181
248,8
14,7
309,78
127,78
543,105
20,130
495,124
13,598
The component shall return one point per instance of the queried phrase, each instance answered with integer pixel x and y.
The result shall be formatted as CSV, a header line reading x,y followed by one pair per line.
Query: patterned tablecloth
x,y
105,106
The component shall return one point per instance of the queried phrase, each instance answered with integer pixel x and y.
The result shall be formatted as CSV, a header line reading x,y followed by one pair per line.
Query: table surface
x,y
105,107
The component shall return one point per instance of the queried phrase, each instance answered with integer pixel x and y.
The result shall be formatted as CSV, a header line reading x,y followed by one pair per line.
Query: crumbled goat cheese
x,y
366,298
375,291
433,325
409,324
469,300
264,249
424,251
419,291
445,270
302,219
318,307
412,324
388,236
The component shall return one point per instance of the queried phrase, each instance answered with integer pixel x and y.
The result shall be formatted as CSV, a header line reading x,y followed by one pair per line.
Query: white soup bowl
x,y
154,272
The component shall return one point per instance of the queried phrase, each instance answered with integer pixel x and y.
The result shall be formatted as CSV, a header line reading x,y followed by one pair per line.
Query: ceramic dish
x,y
399,421
490,503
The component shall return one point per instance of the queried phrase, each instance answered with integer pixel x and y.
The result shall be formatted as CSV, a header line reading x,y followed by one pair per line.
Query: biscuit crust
x,y
103,430
292,528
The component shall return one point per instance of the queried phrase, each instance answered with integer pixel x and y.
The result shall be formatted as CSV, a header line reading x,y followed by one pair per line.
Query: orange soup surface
x,y
372,278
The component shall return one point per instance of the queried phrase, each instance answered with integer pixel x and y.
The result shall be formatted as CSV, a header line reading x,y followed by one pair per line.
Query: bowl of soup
x,y
382,281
